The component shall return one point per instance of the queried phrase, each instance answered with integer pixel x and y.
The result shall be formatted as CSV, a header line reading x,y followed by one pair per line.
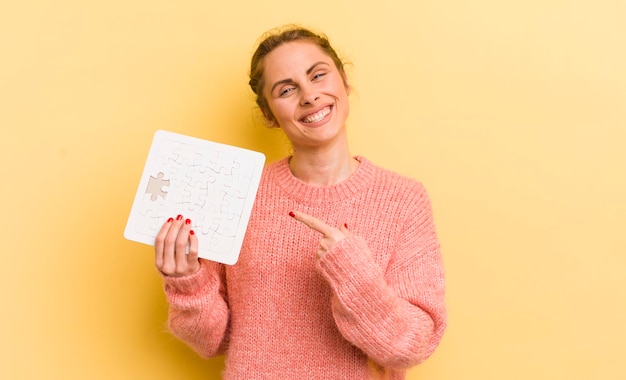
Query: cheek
x,y
281,110
340,89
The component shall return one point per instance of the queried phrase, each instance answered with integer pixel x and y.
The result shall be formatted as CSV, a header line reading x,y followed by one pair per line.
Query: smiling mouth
x,y
318,116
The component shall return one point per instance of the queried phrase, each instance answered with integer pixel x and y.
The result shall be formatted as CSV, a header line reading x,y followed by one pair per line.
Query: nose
x,y
308,96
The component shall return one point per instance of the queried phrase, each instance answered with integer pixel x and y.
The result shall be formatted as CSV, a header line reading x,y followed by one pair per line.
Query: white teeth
x,y
317,116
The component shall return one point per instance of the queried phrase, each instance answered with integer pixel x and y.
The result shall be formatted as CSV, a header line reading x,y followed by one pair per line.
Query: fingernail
x,y
179,217
187,221
291,214
345,225
170,220
191,232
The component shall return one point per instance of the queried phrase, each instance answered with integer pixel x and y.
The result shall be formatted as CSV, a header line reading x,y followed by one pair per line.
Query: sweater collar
x,y
303,192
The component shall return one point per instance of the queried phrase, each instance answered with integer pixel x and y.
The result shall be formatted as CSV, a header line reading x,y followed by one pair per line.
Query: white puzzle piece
x,y
212,184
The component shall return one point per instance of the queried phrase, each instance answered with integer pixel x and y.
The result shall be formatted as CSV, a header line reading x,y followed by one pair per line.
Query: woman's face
x,y
306,94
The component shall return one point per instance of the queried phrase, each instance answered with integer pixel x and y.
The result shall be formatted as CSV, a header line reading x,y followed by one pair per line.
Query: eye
x,y
286,91
319,75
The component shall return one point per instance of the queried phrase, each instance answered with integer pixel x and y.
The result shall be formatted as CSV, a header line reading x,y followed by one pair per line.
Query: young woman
x,y
340,274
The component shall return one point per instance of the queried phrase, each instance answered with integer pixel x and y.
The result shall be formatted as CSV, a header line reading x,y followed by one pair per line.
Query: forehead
x,y
292,58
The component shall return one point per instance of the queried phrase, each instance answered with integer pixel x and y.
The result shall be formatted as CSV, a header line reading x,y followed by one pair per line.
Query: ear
x,y
269,119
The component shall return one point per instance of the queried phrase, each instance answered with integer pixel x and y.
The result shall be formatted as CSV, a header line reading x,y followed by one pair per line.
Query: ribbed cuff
x,y
188,285
352,272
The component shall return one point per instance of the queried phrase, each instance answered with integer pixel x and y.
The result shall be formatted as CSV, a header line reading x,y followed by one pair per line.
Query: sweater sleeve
x,y
198,312
395,316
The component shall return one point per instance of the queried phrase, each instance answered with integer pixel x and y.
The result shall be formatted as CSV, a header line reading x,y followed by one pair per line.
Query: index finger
x,y
313,223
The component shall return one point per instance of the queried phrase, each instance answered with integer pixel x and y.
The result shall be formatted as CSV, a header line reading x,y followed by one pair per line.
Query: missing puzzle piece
x,y
156,185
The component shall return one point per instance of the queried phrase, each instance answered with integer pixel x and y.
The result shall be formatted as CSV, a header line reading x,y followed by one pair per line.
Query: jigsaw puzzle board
x,y
212,184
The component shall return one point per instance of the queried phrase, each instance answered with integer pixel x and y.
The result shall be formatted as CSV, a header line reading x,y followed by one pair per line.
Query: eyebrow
x,y
289,80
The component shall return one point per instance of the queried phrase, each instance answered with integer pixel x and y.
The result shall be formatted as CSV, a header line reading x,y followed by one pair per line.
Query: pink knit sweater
x,y
372,307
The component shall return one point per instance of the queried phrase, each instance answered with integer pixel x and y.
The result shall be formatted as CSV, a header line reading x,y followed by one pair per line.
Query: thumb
x,y
344,228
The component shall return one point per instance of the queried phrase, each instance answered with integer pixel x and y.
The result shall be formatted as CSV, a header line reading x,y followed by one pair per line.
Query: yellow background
x,y
512,113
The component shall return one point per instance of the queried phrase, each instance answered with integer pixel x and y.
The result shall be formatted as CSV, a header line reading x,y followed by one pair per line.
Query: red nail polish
x,y
187,221
191,232
291,214
179,217
170,220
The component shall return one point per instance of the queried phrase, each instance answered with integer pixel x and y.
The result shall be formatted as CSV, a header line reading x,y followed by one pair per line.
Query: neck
x,y
323,166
